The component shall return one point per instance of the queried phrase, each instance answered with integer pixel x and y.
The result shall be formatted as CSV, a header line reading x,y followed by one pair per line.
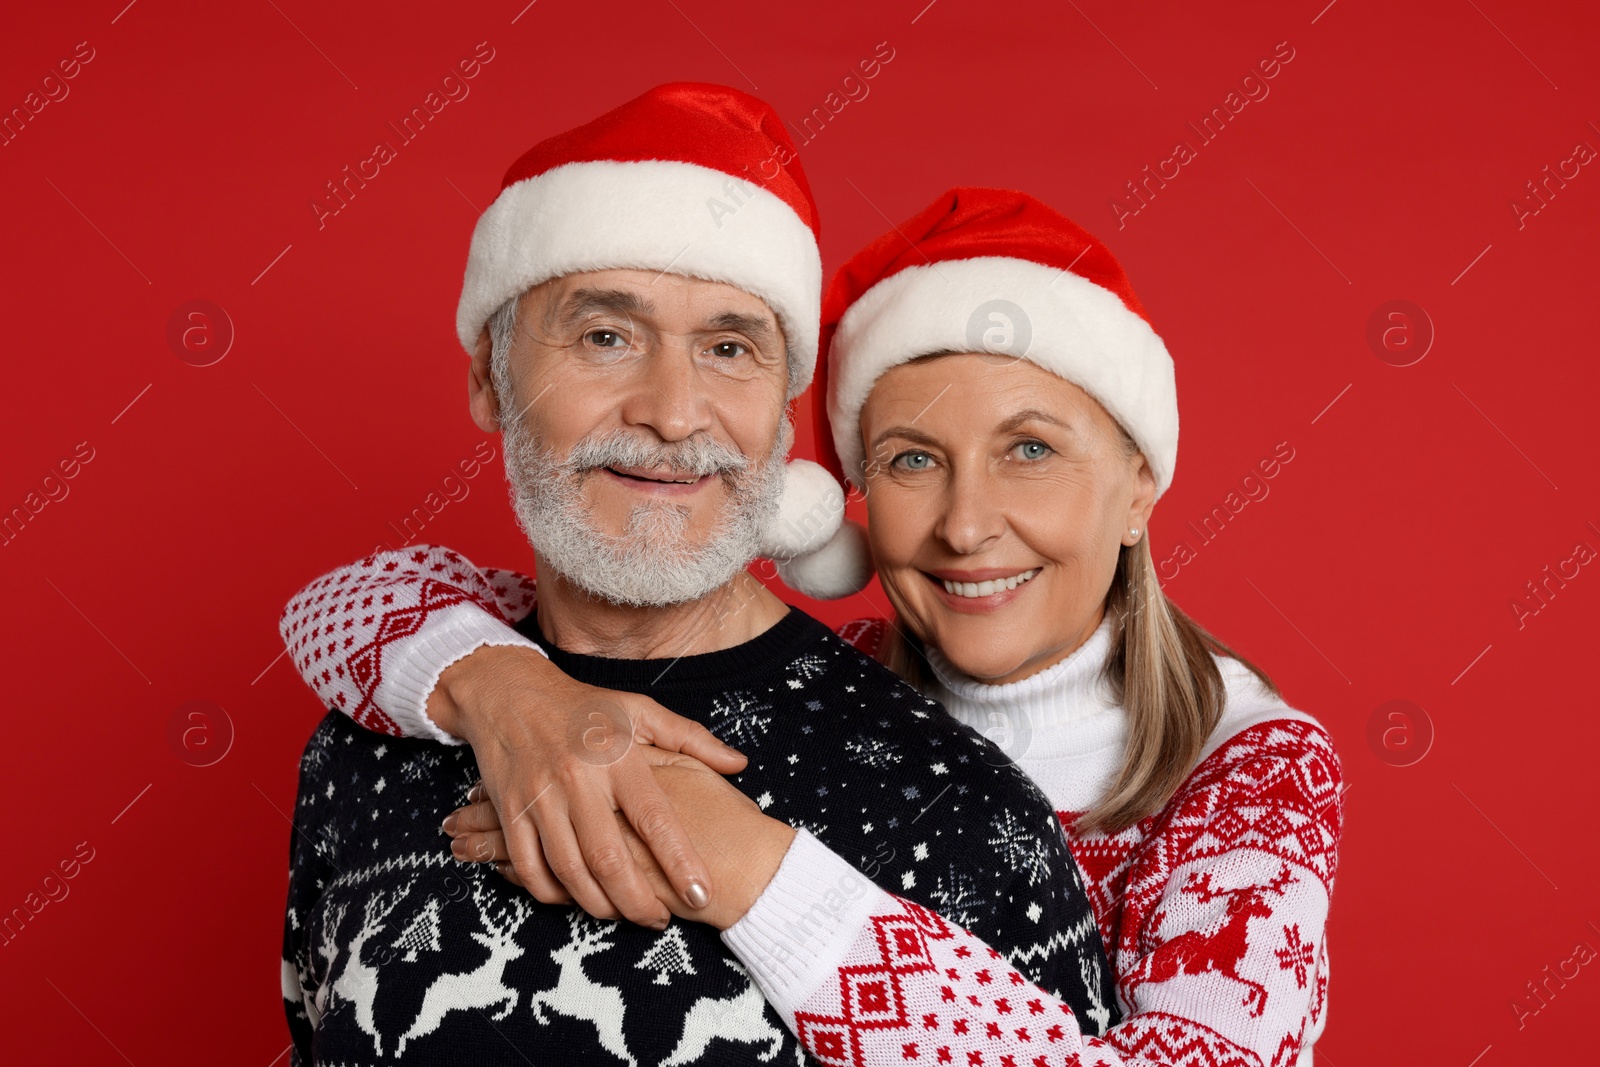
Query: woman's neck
x,y
1046,658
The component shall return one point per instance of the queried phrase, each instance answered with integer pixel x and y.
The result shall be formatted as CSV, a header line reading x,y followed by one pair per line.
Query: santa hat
x,y
987,270
699,180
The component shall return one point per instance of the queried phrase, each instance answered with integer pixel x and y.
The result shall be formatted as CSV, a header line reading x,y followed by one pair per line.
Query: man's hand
x,y
743,847
560,761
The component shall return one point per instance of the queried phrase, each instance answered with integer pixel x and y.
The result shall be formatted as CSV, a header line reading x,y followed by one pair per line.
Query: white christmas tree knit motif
x,y
667,957
421,933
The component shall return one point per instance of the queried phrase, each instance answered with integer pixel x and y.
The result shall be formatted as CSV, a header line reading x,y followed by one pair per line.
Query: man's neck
x,y
576,621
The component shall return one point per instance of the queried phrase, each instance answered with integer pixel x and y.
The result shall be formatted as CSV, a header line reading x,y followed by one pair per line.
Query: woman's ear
x,y
481,399
1144,500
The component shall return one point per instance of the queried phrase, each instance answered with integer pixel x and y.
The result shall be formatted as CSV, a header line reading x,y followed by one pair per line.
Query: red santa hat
x,y
984,270
699,180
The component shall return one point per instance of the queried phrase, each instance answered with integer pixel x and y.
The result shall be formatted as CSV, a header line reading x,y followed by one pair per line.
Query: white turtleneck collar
x,y
1065,692
1061,725
1064,728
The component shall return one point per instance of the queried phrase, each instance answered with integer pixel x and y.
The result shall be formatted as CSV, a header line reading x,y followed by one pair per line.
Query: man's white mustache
x,y
694,457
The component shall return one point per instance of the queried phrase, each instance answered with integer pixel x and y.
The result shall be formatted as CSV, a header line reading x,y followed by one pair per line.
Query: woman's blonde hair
x,y
1159,669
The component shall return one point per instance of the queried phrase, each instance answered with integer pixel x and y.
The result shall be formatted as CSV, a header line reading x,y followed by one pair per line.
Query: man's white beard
x,y
649,564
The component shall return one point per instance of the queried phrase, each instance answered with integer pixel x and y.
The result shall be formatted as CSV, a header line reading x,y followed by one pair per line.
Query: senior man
x,y
636,348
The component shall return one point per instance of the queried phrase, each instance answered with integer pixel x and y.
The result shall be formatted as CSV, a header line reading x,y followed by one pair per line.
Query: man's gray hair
x,y
502,331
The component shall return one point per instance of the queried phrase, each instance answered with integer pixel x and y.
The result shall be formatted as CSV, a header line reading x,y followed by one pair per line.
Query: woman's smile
x,y
981,591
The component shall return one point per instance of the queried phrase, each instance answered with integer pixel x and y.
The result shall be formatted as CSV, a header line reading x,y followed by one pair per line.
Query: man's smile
x,y
658,480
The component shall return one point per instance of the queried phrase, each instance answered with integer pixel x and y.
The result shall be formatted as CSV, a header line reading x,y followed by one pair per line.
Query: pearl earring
x,y
1135,533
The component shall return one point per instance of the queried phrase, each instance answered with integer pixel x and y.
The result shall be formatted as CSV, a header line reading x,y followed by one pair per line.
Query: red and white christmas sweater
x,y
1213,910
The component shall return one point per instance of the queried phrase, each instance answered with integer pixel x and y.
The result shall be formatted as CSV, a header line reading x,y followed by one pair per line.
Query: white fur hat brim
x,y
658,215
1058,320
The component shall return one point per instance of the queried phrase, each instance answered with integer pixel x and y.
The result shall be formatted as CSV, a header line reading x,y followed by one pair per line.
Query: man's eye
x,y
913,461
605,339
1032,450
729,349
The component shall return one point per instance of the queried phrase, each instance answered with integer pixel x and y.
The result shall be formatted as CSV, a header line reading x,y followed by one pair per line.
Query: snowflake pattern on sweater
x,y
1213,910
394,950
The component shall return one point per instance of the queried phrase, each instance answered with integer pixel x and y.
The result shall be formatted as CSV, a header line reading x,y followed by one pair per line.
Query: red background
x,y
1382,566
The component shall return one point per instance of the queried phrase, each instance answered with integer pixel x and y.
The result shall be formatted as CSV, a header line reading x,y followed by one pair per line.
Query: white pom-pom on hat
x,y
840,568
809,511
817,552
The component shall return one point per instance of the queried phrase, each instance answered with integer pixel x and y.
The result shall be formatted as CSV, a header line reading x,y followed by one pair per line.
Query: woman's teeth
x,y
999,585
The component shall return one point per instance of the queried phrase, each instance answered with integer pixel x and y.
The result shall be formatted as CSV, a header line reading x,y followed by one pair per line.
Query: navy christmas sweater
x,y
394,951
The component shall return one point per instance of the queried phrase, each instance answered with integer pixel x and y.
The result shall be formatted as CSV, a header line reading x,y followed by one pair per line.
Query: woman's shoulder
x,y
1253,716
1268,777
864,635
1262,745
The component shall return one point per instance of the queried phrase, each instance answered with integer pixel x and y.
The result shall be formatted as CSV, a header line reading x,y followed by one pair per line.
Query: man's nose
x,y
666,394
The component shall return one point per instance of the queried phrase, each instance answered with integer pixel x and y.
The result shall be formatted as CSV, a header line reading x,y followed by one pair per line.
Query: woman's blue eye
x,y
1033,449
914,461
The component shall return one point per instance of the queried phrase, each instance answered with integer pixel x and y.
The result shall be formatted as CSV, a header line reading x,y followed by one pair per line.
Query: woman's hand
x,y
742,847
561,761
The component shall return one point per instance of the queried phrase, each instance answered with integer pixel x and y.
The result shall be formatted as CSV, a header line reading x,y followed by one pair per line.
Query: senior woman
x,y
996,392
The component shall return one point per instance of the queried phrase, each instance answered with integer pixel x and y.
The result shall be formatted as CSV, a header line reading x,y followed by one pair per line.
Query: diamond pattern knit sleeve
x,y
371,638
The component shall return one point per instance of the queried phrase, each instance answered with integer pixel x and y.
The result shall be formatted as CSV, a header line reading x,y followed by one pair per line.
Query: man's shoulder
x,y
898,703
881,708
876,695
323,747
334,734
850,653
338,747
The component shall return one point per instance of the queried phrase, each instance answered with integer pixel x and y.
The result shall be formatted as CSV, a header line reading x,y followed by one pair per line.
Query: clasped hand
x,y
601,798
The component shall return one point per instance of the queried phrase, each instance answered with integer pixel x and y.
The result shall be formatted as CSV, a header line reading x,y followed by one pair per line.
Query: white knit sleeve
x,y
801,925
863,977
371,638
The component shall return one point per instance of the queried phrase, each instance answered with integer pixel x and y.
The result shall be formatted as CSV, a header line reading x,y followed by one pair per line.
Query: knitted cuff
x,y
412,665
798,931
